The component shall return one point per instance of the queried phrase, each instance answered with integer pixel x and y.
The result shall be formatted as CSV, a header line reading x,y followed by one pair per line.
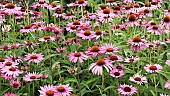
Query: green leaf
x,y
70,80
109,87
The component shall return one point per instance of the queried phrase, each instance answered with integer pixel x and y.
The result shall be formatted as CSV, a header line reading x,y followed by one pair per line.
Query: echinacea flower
x,y
155,30
14,58
163,95
9,63
167,84
87,34
138,79
15,83
109,49
63,90
29,77
11,71
34,57
6,28
168,62
48,90
137,43
10,94
114,58
132,21
127,90
93,51
97,67
72,70
77,56
116,73
132,59
153,68
47,38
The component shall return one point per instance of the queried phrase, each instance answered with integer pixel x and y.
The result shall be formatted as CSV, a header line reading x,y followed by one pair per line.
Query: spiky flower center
x,y
27,27
131,60
146,11
103,6
153,67
76,22
34,57
110,1
81,1
10,6
98,32
46,37
116,73
109,49
3,2
87,33
153,23
127,89
8,63
15,85
100,62
68,14
53,4
50,93
113,58
61,89
155,27
95,49
2,59
136,5
117,8
137,39
167,19
33,77
12,69
106,11
132,18
137,79
77,54
147,4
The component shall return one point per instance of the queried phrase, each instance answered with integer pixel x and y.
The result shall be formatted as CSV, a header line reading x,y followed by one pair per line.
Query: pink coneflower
x,y
151,45
93,51
71,28
116,73
14,58
44,76
111,3
137,43
155,30
87,34
58,13
114,58
120,67
15,83
81,3
168,62
10,94
145,13
166,22
157,42
9,63
132,59
135,8
48,90
167,12
3,3
127,90
132,21
97,67
6,28
31,77
63,90
60,50
68,16
33,57
138,79
47,38
54,6
98,34
128,1
11,8
41,3
167,84
153,68
27,29
77,56
11,71
14,46
29,44
109,49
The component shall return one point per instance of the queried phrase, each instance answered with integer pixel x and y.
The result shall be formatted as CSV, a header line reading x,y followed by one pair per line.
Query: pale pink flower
x,y
10,94
29,77
168,62
138,79
109,49
77,56
97,67
127,90
167,84
63,90
15,83
132,59
33,57
48,90
116,73
87,34
11,71
93,51
153,68
114,58
47,38
14,58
